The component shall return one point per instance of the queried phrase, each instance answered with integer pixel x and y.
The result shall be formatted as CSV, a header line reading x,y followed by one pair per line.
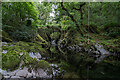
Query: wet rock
x,y
3,72
75,48
35,55
22,73
4,51
56,70
42,73
101,49
33,73
11,45
29,75
6,76
15,77
54,65
53,43
103,53
4,43
12,73
38,55
96,52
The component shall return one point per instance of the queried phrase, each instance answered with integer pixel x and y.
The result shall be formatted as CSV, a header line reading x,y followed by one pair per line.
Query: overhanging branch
x,y
69,14
80,9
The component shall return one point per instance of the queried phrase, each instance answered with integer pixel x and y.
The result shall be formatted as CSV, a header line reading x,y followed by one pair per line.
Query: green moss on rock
x,y
42,64
11,60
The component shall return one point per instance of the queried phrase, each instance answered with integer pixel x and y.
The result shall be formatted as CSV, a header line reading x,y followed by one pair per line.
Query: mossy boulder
x,y
19,51
11,60
42,64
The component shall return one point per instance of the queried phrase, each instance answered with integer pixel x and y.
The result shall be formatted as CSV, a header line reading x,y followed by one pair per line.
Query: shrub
x,y
22,33
112,29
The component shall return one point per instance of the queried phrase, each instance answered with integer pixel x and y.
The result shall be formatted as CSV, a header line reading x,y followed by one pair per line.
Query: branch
x,y
80,7
69,14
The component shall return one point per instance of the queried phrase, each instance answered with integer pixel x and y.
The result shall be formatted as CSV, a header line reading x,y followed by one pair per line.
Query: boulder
x,y
22,73
42,73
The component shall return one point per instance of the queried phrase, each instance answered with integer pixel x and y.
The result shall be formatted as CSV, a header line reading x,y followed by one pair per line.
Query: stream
x,y
41,73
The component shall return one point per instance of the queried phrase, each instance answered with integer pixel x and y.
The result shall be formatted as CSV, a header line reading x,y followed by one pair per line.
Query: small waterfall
x,y
35,55
53,43
103,52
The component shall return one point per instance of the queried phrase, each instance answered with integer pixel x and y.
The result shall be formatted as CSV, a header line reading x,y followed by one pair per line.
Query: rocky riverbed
x,y
27,73
42,70
22,60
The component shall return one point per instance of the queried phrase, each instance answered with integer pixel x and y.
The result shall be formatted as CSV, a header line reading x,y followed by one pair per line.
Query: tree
x,y
16,13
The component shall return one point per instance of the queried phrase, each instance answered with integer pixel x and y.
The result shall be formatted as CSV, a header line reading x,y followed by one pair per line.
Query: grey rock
x,y
29,75
4,51
22,73
6,76
15,77
4,43
35,55
42,73
12,73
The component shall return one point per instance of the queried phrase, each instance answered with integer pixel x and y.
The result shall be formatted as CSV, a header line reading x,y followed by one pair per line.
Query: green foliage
x,y
112,29
25,33
15,13
53,49
55,35
14,19
44,10
6,37
15,16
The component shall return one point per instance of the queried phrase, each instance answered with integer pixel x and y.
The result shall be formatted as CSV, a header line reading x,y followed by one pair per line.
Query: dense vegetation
x,y
66,32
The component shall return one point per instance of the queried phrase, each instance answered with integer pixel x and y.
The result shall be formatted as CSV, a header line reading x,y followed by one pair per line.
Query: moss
x,y
43,64
53,49
27,46
39,38
10,60
21,43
